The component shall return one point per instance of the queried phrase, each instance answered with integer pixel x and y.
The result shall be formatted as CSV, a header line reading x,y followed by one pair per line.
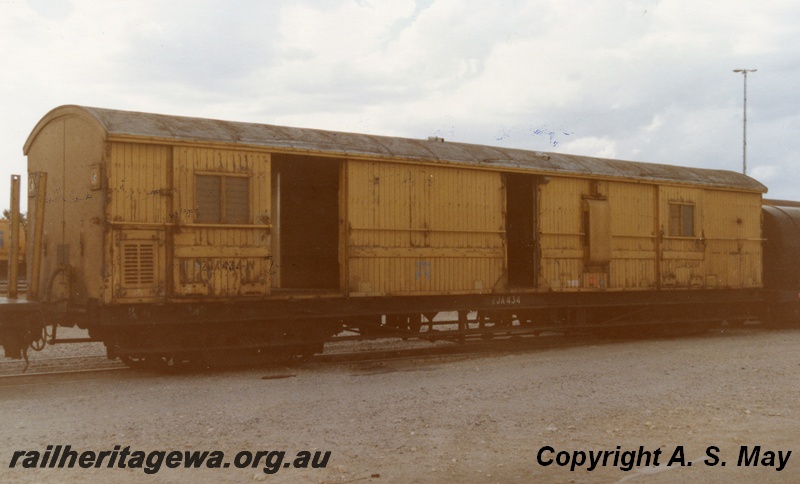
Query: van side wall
x,y
151,221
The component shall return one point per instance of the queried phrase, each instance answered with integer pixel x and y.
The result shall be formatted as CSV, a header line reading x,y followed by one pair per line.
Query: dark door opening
x,y
306,225
521,227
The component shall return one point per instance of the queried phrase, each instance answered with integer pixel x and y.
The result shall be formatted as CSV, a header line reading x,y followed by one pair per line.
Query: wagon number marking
x,y
507,300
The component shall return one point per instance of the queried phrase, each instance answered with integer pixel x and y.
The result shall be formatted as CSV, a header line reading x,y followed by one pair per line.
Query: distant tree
x,y
23,218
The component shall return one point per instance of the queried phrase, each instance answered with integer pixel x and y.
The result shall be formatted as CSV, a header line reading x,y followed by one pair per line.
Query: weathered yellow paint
x,y
5,233
37,194
137,183
122,214
67,148
423,230
681,258
221,260
732,239
634,236
725,250
561,233
138,265
153,187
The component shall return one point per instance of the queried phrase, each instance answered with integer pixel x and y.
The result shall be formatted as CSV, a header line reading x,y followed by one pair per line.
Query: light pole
x,y
744,132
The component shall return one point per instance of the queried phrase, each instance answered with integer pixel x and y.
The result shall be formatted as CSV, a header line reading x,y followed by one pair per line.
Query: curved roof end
x,y
59,112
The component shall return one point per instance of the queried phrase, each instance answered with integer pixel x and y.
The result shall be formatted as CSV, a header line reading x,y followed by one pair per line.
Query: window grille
x,y
681,220
222,199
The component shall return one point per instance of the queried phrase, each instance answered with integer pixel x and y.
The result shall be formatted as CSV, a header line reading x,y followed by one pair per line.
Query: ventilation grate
x,y
138,264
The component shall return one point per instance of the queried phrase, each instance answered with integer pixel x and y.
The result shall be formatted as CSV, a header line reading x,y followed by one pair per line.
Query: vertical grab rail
x,y
37,191
13,250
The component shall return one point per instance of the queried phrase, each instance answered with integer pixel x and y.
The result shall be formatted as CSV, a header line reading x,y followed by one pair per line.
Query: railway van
x,y
173,237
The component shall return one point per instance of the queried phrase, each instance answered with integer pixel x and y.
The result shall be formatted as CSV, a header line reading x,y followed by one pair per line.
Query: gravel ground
x,y
464,419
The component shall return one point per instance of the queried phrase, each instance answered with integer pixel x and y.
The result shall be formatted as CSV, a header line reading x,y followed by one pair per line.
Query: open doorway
x,y
521,227
306,221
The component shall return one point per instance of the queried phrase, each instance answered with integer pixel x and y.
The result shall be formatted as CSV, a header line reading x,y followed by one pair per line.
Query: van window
x,y
681,220
223,199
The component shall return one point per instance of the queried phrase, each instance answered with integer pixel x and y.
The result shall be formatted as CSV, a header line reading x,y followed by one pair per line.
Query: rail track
x,y
58,365
344,351
366,356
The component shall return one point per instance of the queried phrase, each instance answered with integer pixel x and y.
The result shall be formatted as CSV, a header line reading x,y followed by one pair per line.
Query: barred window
x,y
223,199
681,220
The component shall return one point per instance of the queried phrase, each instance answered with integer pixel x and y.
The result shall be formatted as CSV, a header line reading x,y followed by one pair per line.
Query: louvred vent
x,y
138,264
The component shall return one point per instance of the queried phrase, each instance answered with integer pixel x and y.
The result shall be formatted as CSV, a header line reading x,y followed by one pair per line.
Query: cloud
x,y
765,173
646,80
592,146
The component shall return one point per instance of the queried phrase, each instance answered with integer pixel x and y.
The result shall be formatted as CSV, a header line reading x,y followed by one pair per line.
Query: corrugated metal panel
x,y
782,245
421,229
146,125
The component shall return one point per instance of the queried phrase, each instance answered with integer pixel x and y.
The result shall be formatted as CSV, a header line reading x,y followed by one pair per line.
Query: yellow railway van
x,y
170,235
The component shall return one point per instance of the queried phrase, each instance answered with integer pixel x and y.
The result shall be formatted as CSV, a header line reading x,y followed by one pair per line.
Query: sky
x,y
643,80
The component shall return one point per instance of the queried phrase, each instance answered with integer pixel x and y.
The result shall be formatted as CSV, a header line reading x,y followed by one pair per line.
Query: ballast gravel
x,y
481,418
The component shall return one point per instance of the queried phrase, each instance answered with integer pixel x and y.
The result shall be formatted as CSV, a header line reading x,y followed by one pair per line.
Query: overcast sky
x,y
639,80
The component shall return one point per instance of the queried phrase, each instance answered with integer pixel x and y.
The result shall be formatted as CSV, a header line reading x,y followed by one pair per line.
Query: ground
x,y
481,418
